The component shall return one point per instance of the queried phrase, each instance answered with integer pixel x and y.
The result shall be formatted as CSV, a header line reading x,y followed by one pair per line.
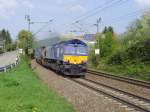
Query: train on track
x,y
68,57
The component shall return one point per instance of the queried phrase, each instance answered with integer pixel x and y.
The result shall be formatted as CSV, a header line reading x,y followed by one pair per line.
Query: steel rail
x,y
120,78
123,101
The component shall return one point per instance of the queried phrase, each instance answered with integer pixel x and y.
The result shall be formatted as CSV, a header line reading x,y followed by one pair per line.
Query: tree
x,y
25,40
8,41
135,43
138,30
105,30
8,37
110,29
106,42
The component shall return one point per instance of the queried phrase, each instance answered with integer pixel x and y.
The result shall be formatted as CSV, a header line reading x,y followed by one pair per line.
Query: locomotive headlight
x,y
68,61
84,62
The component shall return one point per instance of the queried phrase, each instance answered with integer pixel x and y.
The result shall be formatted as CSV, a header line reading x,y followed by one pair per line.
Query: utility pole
x,y
98,24
97,51
27,17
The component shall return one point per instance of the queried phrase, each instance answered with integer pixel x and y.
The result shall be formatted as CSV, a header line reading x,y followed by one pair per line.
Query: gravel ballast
x,y
131,88
83,99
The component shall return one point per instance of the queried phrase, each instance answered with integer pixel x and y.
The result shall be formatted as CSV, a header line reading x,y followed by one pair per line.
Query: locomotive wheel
x,y
57,69
43,62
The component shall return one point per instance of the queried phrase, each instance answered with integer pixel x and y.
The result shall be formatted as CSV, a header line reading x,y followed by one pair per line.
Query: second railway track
x,y
132,101
123,79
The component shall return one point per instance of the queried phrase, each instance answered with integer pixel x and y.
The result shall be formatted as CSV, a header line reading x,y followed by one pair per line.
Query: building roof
x,y
89,37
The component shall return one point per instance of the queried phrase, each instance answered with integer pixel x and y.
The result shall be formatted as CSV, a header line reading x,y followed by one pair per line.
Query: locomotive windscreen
x,y
70,50
75,50
81,50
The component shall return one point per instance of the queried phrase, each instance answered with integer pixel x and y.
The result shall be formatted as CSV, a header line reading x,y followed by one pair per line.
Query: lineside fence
x,y
10,65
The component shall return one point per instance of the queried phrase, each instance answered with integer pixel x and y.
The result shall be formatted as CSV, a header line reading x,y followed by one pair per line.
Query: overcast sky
x,y
65,12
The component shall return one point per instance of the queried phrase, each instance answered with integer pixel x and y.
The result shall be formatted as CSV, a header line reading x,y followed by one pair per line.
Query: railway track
x,y
123,79
129,100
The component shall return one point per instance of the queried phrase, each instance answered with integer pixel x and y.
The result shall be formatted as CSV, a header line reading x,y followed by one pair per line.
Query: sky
x,y
66,12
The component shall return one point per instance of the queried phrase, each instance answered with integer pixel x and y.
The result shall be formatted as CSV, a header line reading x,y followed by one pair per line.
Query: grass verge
x,y
21,91
136,71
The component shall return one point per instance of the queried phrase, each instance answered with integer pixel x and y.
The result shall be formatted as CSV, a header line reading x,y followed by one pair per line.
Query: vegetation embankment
x,y
127,54
21,91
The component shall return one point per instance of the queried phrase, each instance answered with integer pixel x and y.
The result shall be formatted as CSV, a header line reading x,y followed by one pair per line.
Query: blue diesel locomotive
x,y
68,57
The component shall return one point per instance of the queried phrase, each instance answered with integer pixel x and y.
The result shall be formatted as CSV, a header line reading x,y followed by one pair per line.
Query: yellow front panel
x,y
75,59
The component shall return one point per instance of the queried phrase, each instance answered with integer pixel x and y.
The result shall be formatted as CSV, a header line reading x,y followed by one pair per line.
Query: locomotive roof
x,y
73,41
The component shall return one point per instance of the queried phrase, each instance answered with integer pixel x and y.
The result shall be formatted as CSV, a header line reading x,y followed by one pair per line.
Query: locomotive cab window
x,y
81,50
70,49
76,49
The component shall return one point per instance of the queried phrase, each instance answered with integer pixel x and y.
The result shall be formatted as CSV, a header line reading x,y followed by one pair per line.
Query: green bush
x,y
140,51
117,58
92,58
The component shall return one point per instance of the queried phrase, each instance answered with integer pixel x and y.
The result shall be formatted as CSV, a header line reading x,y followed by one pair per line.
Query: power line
x,y
103,6
92,12
118,19
85,14
81,27
27,17
113,2
121,18
43,27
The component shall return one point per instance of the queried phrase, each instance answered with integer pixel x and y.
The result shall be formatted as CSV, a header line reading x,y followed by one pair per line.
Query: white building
x,y
1,43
